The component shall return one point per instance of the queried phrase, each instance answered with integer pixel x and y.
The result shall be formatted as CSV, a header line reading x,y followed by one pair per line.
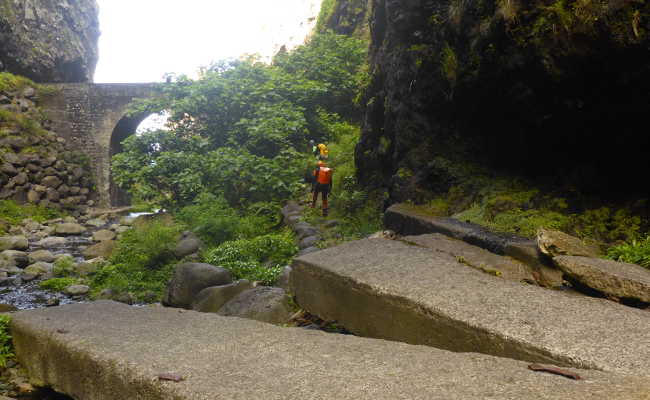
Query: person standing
x,y
323,179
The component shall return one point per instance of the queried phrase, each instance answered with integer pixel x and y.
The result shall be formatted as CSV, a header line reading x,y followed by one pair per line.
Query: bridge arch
x,y
93,119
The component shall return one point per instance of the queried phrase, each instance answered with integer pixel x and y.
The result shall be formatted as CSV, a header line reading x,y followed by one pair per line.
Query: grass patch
x,y
58,284
258,259
6,346
635,252
13,213
11,83
142,263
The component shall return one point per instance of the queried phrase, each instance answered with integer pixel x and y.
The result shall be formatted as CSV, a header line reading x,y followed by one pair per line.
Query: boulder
x,y
69,228
96,222
211,299
41,255
52,241
103,234
189,279
556,243
128,221
613,278
14,258
39,268
265,304
309,241
101,249
188,244
77,290
13,243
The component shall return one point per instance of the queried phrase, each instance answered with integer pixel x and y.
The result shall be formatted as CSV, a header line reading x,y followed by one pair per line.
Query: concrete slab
x,y
391,290
475,257
107,350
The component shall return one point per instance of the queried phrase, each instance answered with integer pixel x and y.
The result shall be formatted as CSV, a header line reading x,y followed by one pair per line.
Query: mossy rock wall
x,y
36,165
554,91
49,41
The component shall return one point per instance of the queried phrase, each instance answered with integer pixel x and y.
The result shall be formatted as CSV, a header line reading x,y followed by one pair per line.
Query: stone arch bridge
x,y
93,118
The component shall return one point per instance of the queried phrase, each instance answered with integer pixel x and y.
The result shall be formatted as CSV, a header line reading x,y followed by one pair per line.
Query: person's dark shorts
x,y
322,188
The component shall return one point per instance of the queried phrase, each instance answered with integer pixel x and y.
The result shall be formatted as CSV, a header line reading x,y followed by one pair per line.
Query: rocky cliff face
x,y
554,90
49,41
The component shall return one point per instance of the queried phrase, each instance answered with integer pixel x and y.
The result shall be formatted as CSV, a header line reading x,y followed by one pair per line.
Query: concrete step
x,y
107,350
392,290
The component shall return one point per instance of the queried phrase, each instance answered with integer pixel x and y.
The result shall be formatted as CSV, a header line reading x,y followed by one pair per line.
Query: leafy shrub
x,y
142,262
64,266
6,346
57,284
607,225
257,259
635,252
211,218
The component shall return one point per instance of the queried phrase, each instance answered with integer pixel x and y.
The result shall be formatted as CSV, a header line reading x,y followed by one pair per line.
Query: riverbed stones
x,y
96,222
391,290
613,278
52,241
211,299
189,279
556,243
39,268
103,234
262,303
309,241
41,255
14,258
51,181
92,360
102,249
69,228
13,243
77,290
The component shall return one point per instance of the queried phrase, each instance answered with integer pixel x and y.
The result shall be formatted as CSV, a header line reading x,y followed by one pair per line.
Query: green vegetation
x,y
6,346
58,284
259,259
142,262
636,252
12,213
11,83
64,267
234,154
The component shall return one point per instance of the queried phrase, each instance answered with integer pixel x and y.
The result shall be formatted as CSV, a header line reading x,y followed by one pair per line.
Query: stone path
x,y
389,289
107,350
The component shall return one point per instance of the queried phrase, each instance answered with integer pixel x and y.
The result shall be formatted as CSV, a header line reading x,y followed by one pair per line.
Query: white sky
x,y
143,39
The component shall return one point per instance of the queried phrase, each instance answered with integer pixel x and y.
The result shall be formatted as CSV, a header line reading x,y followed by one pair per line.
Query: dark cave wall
x,y
554,91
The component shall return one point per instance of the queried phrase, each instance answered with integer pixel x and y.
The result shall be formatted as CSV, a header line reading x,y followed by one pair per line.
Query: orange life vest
x,y
324,175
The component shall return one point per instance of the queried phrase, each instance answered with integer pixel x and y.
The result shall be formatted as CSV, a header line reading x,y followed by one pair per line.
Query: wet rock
x,y
52,302
304,230
309,241
69,228
28,277
189,279
89,267
613,278
126,298
9,169
188,244
266,304
41,255
18,180
102,249
52,241
77,290
13,243
103,234
53,195
11,270
211,299
556,243
31,225
39,268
